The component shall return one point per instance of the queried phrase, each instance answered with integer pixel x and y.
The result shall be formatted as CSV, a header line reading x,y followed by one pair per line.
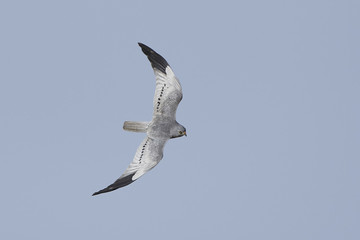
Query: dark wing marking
x,y
121,182
156,60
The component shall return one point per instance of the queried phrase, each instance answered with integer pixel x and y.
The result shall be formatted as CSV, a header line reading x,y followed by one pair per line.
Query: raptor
x,y
162,127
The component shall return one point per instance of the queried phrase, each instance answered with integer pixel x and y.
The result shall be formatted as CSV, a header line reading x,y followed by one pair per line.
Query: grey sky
x,y
271,106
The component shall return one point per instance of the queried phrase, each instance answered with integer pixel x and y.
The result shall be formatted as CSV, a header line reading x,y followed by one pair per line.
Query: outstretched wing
x,y
168,91
147,156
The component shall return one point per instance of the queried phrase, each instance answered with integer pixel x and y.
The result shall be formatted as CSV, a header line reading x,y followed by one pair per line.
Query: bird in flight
x,y
162,127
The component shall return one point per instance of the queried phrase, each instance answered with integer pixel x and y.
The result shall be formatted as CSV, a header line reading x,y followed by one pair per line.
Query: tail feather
x,y
135,126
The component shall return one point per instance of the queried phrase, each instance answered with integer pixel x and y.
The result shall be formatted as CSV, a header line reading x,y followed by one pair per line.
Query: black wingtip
x,y
121,182
156,60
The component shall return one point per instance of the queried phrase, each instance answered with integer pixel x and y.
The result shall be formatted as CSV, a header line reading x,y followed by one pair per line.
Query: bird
x,y
162,127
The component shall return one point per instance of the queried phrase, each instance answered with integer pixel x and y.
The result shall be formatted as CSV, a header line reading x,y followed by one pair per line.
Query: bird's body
x,y
163,126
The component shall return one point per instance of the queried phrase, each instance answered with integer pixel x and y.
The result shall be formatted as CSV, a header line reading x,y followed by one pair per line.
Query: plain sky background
x,y
271,107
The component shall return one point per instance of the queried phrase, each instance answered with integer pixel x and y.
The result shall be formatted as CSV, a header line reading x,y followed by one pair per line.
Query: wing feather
x,y
147,156
168,91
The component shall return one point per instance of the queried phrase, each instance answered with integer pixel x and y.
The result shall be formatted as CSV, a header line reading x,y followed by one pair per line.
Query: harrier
x,y
162,127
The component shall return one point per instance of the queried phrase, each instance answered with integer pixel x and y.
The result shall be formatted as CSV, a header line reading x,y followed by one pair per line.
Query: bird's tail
x,y
135,126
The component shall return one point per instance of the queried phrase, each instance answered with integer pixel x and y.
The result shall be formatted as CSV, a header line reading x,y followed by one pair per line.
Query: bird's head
x,y
178,131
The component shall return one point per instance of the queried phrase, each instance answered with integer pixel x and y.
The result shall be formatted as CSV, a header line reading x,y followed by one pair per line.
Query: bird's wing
x,y
147,156
168,91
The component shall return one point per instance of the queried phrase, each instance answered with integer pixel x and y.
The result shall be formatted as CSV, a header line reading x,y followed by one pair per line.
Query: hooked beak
x,y
184,133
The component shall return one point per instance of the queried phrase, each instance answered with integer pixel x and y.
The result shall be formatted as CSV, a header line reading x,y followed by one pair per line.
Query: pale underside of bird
x,y
162,127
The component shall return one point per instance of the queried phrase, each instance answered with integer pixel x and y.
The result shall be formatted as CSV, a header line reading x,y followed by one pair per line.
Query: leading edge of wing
x,y
121,182
156,60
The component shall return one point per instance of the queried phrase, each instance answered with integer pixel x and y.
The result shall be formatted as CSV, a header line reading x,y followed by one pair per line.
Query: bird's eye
x,y
180,132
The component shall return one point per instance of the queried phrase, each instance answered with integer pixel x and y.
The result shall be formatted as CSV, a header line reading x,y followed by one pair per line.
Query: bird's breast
x,y
159,128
